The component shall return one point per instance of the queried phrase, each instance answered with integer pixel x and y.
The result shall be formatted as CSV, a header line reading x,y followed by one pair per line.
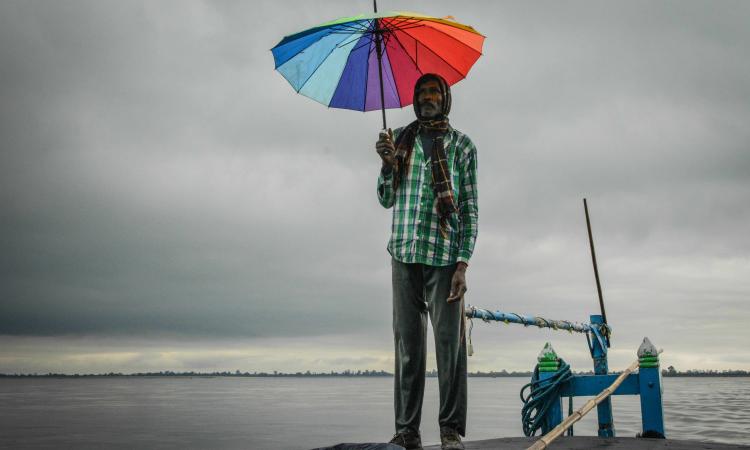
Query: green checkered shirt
x,y
415,237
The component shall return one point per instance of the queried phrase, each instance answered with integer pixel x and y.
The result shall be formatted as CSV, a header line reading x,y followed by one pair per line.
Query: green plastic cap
x,y
547,354
648,365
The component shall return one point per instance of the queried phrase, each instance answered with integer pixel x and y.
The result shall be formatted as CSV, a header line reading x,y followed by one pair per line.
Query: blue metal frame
x,y
652,411
646,383
554,413
598,348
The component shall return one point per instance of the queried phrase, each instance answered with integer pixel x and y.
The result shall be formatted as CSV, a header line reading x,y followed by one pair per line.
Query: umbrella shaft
x,y
378,43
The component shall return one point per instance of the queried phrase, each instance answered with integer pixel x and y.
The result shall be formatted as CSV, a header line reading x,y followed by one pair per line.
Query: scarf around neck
x,y
441,179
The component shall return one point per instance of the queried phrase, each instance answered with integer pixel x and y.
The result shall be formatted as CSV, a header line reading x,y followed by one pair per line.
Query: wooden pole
x,y
596,269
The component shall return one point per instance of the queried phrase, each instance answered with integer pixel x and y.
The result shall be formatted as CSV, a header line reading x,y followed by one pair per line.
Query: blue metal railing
x,y
646,383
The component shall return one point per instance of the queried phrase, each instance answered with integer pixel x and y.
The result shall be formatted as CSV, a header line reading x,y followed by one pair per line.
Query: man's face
x,y
429,99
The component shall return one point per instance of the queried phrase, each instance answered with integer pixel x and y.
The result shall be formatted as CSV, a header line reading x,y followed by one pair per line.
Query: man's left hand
x,y
458,283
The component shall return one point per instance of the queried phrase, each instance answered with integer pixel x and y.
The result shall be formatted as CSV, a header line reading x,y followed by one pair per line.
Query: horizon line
x,y
348,373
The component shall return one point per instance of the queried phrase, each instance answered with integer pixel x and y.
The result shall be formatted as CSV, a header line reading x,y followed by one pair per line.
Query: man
x,y
429,178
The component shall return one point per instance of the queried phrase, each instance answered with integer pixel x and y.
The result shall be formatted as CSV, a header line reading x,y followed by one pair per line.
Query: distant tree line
x,y
672,372
668,372
236,373
494,374
346,373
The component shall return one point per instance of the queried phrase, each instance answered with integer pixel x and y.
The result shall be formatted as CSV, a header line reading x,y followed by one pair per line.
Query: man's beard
x,y
429,110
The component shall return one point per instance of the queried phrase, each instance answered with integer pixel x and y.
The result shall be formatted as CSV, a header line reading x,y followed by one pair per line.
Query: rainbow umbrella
x,y
372,61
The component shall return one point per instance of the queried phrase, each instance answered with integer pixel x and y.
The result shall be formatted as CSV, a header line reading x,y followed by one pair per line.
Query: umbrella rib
x,y
414,22
393,23
344,69
396,21
443,59
369,41
388,37
367,72
354,26
407,54
451,37
452,24
409,27
332,29
390,28
349,32
352,31
305,48
455,39
316,69
356,38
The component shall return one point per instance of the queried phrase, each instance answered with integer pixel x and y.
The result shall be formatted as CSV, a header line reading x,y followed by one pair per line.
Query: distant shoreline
x,y
347,374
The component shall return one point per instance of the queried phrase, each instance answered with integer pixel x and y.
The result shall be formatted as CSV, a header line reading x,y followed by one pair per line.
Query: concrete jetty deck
x,y
594,442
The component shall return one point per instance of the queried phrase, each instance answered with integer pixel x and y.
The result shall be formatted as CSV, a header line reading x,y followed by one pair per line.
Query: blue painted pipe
x,y
473,312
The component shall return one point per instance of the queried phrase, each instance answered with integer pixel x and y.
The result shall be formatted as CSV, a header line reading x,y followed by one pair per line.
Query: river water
x,y
303,413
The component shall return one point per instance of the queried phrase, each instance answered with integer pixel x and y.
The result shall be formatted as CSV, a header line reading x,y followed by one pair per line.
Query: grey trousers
x,y
419,290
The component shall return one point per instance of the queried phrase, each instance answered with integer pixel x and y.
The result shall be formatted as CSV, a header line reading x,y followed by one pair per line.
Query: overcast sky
x,y
168,202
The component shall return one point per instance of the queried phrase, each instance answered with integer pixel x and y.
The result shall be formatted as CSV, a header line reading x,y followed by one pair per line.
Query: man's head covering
x,y
445,89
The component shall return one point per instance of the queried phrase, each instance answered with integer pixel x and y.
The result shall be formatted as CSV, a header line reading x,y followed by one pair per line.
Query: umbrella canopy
x,y
337,63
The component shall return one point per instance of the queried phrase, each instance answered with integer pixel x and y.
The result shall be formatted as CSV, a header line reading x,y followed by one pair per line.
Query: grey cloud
x,y
158,178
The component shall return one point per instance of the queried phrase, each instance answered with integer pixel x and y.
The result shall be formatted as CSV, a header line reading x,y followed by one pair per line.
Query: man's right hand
x,y
386,149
